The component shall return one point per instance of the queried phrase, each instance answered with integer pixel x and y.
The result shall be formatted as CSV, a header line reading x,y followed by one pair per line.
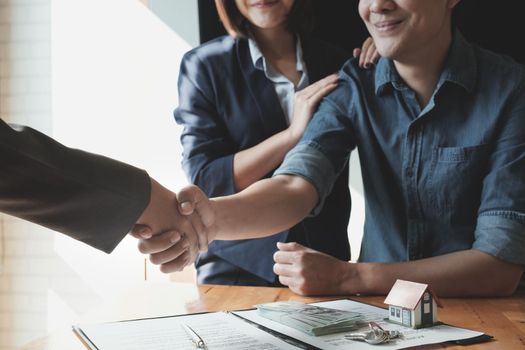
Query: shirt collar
x,y
460,68
259,61
461,64
256,54
386,74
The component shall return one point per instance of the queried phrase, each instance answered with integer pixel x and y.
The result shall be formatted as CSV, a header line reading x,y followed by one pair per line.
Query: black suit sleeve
x,y
89,197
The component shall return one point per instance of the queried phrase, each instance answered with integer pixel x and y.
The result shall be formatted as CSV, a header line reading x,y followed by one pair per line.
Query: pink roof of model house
x,y
407,294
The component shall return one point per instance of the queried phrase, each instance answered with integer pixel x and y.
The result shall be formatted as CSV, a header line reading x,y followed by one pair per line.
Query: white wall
x,y
28,266
182,16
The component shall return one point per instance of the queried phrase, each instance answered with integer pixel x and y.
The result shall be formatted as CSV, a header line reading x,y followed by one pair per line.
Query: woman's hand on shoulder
x,y
306,102
367,54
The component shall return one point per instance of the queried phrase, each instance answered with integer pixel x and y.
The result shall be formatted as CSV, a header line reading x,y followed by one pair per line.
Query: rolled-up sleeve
x,y
502,234
306,161
324,150
500,229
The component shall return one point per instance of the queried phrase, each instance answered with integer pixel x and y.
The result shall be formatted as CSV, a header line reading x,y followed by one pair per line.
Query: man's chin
x,y
389,52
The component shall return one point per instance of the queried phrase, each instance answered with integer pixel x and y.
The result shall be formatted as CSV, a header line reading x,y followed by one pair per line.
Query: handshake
x,y
175,227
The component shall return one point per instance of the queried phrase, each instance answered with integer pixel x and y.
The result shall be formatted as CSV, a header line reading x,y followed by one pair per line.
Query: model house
x,y
412,304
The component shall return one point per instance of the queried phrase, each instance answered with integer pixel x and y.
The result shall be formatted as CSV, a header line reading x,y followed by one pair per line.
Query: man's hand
x,y
309,272
173,249
458,274
196,205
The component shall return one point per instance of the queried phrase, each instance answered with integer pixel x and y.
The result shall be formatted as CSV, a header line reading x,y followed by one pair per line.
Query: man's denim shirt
x,y
448,177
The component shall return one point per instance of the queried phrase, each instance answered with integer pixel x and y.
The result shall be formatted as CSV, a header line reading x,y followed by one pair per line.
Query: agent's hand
x,y
306,102
308,272
368,55
170,250
173,250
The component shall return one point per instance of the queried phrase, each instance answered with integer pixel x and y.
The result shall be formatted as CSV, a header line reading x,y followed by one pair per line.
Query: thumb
x,y
192,198
186,208
188,198
141,231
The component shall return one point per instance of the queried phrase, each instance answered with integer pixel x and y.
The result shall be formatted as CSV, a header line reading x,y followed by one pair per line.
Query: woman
x,y
241,115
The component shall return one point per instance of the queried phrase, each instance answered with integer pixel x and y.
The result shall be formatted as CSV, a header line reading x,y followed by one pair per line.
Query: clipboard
x,y
265,330
216,328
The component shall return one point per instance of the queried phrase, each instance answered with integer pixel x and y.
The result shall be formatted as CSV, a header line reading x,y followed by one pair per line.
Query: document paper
x,y
219,330
411,337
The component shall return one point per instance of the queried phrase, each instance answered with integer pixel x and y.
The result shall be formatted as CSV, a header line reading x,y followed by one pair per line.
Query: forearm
x,y
86,196
459,274
265,208
252,164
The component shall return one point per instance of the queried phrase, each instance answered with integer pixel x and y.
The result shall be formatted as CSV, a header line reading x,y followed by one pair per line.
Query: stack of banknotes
x,y
311,319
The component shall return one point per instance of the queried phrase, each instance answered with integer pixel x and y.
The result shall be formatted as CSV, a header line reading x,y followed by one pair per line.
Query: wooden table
x,y
503,318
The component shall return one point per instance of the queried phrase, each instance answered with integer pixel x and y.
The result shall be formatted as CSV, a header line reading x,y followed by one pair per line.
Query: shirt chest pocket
x,y
455,182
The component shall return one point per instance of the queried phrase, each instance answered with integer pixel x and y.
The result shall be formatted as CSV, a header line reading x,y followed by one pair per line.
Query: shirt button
x,y
409,172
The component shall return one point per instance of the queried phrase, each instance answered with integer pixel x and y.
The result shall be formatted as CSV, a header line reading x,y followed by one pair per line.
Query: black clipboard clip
x,y
474,340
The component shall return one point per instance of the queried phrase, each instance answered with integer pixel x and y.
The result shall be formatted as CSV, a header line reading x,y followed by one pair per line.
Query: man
x,y
440,127
91,198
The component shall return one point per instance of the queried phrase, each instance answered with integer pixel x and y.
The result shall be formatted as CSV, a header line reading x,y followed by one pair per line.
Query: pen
x,y
195,338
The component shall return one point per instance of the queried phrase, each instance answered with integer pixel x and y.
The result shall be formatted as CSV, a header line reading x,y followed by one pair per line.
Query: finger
x,y
284,270
356,52
159,243
286,281
281,257
141,231
369,44
369,60
175,236
318,96
362,55
372,56
313,88
200,229
375,56
189,196
296,258
289,253
192,239
364,51
290,246
175,264
186,208
200,202
169,254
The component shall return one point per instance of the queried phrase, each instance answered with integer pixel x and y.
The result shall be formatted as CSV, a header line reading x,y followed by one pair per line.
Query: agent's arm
x,y
91,198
